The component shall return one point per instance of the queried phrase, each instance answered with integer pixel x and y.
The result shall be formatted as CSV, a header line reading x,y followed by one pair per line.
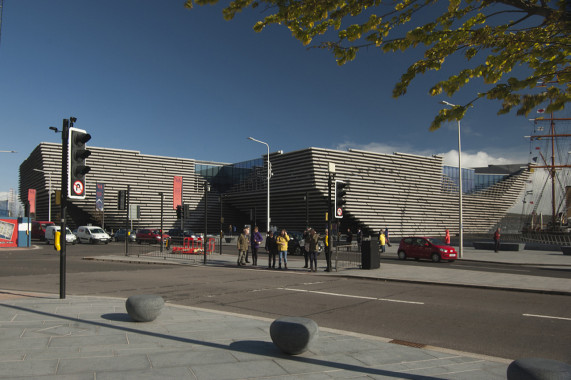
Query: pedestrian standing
x,y
359,239
447,237
497,239
349,236
382,241
248,251
230,230
327,252
256,240
272,249
313,240
282,241
243,246
306,237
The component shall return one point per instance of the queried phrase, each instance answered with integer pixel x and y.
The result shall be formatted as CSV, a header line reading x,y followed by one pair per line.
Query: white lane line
x,y
350,296
546,316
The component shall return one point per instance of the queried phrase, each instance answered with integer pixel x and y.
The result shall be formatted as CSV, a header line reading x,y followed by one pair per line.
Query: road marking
x,y
351,296
546,316
493,268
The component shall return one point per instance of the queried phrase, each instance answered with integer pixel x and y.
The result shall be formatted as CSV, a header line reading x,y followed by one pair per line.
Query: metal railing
x,y
176,248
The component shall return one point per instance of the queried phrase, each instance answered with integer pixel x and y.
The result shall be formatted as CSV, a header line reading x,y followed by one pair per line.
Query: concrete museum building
x,y
406,193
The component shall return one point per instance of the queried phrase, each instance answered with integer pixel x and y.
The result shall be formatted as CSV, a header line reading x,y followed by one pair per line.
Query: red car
x,y
426,248
150,236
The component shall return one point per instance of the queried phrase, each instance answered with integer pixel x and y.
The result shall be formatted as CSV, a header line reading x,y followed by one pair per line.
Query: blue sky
x,y
154,77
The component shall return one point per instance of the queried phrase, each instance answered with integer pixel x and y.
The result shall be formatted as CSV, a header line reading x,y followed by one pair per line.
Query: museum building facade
x,y
408,194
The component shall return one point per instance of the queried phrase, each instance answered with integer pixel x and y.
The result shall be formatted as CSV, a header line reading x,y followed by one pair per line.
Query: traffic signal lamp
x,y
340,198
76,167
122,200
179,212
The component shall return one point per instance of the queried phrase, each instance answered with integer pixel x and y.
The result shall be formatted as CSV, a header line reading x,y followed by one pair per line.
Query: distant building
x,y
406,193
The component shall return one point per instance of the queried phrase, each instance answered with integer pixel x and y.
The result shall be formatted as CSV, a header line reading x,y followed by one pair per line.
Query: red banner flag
x,y
177,192
32,200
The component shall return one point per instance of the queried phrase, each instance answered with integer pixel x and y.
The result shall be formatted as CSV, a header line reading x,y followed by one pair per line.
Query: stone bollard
x,y
144,307
293,335
538,369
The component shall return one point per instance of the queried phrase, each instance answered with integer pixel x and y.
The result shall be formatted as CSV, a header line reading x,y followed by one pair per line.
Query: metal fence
x,y
189,251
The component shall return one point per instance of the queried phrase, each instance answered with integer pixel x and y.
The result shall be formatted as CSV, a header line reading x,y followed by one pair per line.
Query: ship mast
x,y
551,167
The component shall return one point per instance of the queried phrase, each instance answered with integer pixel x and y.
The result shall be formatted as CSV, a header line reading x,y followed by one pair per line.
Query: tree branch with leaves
x,y
492,44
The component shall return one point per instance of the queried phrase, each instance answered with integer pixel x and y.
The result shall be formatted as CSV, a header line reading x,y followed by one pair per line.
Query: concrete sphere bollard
x,y
293,335
538,369
144,307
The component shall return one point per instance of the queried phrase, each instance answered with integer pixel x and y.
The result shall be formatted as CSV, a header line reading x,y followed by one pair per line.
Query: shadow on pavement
x,y
250,347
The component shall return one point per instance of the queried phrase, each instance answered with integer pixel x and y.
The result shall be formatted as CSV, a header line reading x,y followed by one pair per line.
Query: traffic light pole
x,y
127,220
64,184
162,198
330,225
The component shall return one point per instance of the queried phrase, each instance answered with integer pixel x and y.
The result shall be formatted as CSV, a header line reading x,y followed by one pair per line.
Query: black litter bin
x,y
370,257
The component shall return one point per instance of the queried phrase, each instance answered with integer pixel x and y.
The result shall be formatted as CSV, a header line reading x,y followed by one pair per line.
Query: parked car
x,y
177,232
119,235
51,232
92,235
39,229
296,245
150,236
426,248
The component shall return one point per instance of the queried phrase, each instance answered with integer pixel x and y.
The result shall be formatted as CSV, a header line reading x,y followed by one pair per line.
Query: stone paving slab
x,y
221,346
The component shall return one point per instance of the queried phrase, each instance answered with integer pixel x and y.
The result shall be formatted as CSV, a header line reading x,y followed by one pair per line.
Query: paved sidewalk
x,y
43,337
79,337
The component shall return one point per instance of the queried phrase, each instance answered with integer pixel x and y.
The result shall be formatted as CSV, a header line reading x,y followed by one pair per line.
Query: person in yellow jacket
x,y
282,241
382,241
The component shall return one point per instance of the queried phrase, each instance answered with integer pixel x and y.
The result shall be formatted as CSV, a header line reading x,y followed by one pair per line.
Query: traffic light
x,y
179,212
340,193
76,167
122,200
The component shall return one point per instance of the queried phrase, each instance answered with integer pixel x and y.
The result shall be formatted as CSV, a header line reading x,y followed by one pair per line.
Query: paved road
x,y
522,269
498,323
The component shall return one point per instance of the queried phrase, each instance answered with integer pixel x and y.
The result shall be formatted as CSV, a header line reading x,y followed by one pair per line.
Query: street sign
x,y
78,188
339,212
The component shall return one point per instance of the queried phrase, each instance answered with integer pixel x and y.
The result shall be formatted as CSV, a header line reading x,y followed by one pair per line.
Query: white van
x,y
51,233
92,235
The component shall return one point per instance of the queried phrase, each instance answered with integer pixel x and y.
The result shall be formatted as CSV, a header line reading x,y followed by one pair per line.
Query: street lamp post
x,y
268,178
460,227
205,239
49,193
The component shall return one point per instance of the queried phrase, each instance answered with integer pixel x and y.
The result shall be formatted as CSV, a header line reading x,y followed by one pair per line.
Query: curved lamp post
x,y
268,178
461,246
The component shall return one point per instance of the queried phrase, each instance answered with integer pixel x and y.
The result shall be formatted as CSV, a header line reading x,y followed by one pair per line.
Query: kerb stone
x,y
538,369
144,307
293,335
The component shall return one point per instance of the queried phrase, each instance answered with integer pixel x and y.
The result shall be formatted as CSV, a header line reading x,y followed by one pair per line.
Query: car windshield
x,y
97,231
156,232
436,241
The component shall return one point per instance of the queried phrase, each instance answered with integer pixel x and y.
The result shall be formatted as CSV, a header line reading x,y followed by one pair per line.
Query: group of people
x,y
384,240
277,245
